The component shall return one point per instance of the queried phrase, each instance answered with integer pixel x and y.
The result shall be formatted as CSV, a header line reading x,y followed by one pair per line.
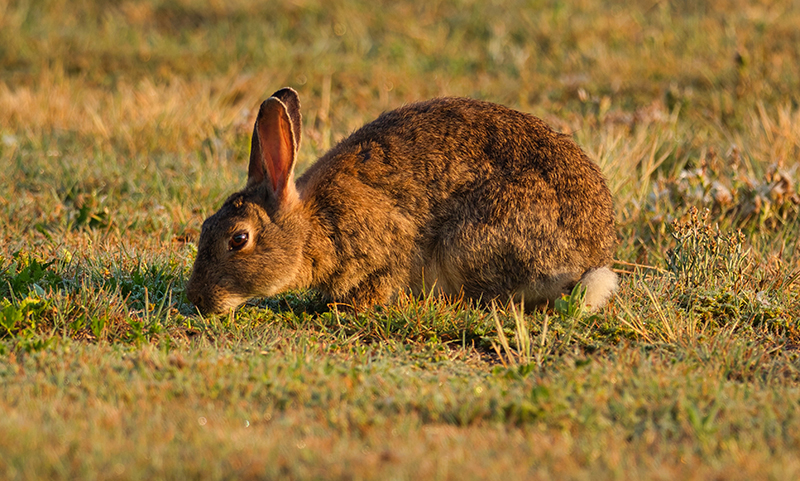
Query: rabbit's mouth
x,y
216,300
219,305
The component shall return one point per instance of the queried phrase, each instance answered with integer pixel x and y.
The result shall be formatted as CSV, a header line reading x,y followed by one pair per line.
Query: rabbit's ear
x,y
273,150
290,99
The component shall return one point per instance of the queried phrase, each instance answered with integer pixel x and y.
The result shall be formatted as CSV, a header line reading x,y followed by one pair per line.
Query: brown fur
x,y
464,195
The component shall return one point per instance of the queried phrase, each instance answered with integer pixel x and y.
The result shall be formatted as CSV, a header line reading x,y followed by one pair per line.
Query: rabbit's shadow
x,y
303,302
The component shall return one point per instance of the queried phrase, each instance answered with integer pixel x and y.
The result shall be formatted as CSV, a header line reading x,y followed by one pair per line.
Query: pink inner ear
x,y
276,145
255,171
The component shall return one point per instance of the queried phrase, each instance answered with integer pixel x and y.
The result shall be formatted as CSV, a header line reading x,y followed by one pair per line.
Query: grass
x,y
123,126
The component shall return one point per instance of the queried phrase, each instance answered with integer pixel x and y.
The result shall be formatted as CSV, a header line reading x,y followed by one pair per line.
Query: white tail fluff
x,y
600,284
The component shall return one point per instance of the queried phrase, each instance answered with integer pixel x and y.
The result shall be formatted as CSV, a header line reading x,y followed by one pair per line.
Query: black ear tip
x,y
285,90
287,95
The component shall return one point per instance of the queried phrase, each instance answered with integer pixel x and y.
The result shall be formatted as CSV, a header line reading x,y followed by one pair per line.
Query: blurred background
x,y
134,116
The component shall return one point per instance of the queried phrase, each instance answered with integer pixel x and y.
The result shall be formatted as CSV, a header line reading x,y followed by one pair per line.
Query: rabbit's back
x,y
468,195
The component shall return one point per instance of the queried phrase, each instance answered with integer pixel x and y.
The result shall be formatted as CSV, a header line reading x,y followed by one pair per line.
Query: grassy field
x,y
124,124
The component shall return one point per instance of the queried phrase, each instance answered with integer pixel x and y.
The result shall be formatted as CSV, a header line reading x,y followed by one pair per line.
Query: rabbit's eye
x,y
238,240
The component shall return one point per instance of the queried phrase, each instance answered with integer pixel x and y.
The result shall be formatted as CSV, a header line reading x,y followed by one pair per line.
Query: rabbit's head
x,y
253,245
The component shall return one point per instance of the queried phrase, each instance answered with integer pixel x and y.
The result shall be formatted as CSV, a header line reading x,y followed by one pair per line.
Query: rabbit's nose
x,y
195,298
198,300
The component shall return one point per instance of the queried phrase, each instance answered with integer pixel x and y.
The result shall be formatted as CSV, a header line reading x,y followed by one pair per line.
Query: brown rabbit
x,y
450,194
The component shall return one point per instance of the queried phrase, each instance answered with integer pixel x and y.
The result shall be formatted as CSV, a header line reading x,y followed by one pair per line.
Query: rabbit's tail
x,y
600,283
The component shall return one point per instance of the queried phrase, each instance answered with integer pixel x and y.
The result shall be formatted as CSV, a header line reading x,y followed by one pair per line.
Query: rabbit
x,y
451,195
